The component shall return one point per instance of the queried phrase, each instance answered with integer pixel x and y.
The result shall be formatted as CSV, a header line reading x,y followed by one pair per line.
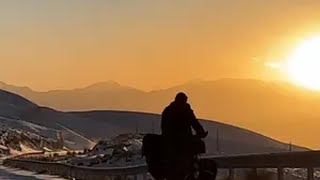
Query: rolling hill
x,y
17,135
83,129
265,107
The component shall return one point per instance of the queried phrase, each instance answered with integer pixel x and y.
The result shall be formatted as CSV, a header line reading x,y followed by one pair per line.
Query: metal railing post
x,y
255,172
145,176
280,173
310,173
231,174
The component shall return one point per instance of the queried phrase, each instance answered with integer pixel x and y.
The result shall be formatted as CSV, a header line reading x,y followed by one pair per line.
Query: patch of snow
x,y
12,105
27,126
26,149
47,149
3,147
124,150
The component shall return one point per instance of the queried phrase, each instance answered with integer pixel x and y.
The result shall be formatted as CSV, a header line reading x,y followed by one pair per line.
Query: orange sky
x,y
147,44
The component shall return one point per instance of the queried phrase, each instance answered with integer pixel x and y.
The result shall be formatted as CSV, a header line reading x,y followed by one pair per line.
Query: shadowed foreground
x,y
13,174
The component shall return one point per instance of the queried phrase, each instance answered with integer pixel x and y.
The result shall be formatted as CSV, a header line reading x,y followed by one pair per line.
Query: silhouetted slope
x,y
13,106
47,117
98,125
266,107
106,124
18,135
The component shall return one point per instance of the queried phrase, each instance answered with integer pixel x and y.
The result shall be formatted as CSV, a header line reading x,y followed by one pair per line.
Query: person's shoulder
x,y
166,109
188,106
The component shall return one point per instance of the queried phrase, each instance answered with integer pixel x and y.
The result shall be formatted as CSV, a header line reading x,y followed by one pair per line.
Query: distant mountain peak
x,y
103,85
10,87
195,81
2,83
108,86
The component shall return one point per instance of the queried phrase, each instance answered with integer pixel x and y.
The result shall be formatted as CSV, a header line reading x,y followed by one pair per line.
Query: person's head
x,y
181,98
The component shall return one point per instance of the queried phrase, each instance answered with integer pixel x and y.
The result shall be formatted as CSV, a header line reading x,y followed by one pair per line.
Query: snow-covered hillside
x,y
18,136
83,129
123,150
14,113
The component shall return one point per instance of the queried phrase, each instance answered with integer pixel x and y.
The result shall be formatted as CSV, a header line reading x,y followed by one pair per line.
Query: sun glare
x,y
273,65
303,65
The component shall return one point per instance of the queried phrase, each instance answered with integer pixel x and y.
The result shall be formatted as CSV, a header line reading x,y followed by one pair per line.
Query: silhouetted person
x,y
177,122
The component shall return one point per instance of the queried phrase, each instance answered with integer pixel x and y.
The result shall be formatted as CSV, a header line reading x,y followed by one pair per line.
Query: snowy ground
x,y
16,174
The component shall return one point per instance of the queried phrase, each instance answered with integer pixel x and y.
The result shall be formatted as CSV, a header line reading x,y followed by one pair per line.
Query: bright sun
x,y
303,65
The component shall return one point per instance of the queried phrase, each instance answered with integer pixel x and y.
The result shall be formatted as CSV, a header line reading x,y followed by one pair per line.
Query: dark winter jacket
x,y
176,125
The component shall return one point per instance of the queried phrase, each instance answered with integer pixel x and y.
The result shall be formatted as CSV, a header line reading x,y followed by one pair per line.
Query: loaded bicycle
x,y
190,168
